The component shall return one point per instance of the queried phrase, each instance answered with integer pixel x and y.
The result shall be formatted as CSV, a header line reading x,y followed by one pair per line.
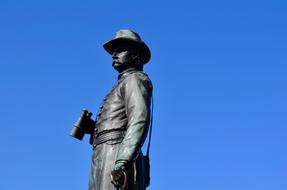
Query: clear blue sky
x,y
219,70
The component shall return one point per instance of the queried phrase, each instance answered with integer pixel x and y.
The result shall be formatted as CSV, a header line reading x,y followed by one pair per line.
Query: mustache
x,y
115,63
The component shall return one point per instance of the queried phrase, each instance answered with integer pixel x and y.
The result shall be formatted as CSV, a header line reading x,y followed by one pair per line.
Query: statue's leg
x,y
103,161
96,164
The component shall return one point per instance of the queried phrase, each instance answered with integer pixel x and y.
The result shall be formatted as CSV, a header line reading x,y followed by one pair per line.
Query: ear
x,y
136,59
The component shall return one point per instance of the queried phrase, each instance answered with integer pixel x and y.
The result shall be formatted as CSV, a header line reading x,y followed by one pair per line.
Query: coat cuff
x,y
124,162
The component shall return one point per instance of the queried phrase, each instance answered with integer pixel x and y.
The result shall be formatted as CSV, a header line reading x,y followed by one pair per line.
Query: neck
x,y
122,70
129,69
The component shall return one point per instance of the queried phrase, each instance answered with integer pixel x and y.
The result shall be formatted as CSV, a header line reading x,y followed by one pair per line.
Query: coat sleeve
x,y
136,93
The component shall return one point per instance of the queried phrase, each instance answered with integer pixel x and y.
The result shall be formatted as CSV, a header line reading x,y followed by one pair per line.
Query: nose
x,y
114,55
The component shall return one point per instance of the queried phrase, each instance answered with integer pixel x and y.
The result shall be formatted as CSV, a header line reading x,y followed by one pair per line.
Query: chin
x,y
116,67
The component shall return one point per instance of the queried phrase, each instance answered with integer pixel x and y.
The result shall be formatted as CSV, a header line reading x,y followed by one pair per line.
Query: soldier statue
x,y
123,120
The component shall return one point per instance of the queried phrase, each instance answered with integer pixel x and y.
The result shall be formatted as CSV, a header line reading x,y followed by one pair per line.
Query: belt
x,y
111,135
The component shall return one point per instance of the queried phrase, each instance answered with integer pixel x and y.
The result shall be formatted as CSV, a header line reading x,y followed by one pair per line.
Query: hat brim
x,y
114,44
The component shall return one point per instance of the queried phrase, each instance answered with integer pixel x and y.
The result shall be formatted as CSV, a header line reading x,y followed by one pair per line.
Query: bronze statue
x,y
123,120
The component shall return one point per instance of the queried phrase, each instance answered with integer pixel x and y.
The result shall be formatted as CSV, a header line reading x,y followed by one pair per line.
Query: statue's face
x,y
122,58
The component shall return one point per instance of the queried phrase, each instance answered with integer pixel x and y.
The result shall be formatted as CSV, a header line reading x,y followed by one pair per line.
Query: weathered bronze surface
x,y
122,122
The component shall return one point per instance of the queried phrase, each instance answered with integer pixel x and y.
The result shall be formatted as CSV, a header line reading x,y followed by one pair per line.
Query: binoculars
x,y
84,125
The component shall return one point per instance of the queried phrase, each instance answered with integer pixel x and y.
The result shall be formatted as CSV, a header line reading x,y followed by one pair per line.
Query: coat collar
x,y
126,72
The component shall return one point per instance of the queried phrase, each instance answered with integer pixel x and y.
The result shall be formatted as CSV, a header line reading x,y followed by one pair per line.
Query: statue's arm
x,y
136,93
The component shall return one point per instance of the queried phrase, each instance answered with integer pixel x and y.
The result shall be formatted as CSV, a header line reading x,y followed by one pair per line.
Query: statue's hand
x,y
118,175
89,126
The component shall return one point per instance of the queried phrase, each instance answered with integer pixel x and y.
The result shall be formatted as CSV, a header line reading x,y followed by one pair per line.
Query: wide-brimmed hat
x,y
128,37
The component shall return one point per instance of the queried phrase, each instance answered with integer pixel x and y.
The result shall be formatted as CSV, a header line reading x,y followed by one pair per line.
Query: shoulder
x,y
139,78
136,82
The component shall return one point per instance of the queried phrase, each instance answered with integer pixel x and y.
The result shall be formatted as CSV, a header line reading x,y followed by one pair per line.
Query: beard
x,y
121,66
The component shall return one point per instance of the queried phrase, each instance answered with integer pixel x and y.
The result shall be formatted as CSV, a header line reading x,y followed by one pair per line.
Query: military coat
x,y
126,108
